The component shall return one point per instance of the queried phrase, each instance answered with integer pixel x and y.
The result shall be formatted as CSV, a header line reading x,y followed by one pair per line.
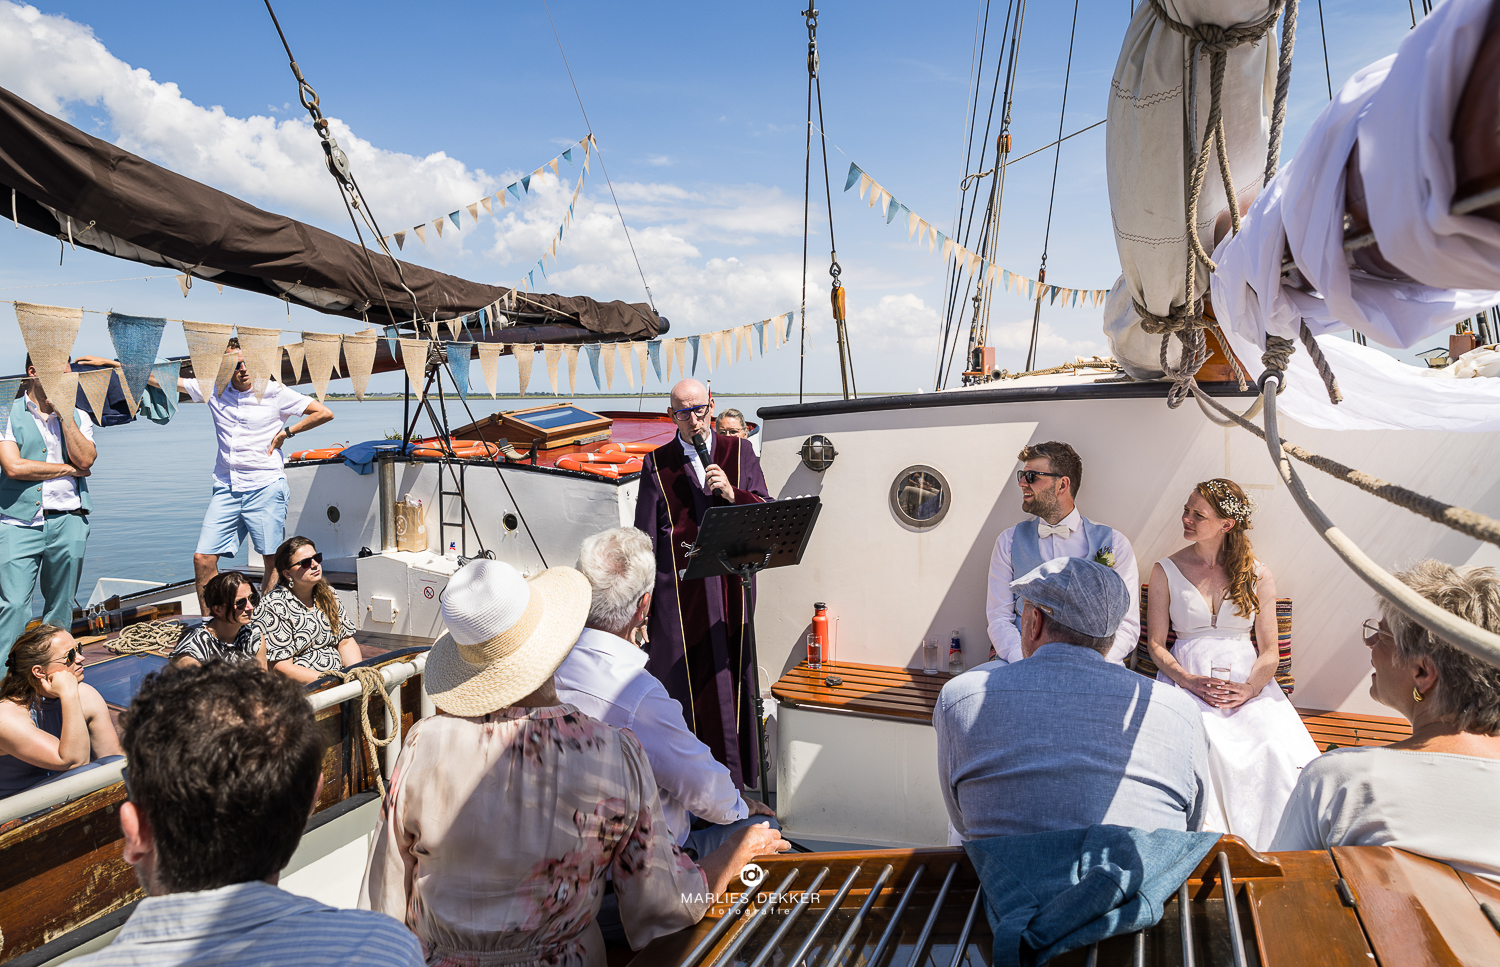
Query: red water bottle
x,y
819,640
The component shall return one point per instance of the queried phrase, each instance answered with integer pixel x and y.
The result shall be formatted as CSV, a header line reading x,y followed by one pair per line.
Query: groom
x,y
1050,475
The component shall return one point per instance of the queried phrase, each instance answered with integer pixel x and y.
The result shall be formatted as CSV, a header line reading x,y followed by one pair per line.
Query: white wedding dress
x,y
1255,751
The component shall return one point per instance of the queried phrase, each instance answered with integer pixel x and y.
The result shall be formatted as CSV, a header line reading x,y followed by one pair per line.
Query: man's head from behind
x,y
1051,474
621,567
1072,601
225,763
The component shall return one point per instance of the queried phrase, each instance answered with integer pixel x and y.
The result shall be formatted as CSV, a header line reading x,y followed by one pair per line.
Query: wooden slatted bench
x,y
867,690
1342,730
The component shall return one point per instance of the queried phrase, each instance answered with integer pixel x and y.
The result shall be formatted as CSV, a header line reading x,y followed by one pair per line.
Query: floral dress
x,y
496,834
295,631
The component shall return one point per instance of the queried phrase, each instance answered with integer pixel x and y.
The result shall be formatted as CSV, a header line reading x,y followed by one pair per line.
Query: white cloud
x,y
661,160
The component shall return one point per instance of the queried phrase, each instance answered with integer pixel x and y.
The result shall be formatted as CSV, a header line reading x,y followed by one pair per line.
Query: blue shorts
x,y
232,515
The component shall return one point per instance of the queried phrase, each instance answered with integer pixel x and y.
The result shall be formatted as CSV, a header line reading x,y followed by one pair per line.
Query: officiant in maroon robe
x,y
696,627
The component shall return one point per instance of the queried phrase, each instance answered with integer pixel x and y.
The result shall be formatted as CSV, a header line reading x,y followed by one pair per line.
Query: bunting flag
x,y
206,342
640,360
59,386
94,385
551,353
437,223
413,360
489,364
421,231
760,336
262,356
711,351
550,251
593,350
607,352
359,356
458,367
453,326
9,390
680,351
166,371
321,353
400,238
49,333
523,353
654,347
624,350
694,342
921,229
294,353
570,353
136,340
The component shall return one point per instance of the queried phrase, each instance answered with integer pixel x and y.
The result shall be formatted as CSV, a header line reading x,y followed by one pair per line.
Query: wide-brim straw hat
x,y
505,635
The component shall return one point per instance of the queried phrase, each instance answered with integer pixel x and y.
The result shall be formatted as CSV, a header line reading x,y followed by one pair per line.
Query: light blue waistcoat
x,y
22,498
1026,550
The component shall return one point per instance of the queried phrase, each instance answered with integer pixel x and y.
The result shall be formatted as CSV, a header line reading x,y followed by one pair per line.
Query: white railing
x,y
69,788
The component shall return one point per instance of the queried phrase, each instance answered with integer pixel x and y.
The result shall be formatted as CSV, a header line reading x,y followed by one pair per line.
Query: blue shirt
x,y
255,923
1065,740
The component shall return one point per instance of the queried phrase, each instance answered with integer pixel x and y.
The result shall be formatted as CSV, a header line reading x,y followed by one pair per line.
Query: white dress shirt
x,y
605,677
245,428
60,493
695,464
999,605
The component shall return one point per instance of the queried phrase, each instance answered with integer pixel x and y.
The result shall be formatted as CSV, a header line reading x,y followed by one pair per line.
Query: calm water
x,y
151,484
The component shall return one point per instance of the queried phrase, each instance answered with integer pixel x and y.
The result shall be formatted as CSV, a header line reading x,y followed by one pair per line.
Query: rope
x,y
371,683
146,638
1283,89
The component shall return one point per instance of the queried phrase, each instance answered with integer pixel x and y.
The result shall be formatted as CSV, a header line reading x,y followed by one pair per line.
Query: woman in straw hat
x,y
507,808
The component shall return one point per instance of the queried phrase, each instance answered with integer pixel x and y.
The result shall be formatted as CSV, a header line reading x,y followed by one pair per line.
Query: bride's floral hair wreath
x,y
1229,503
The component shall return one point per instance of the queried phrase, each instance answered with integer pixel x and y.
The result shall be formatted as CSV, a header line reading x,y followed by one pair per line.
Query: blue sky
x,y
698,108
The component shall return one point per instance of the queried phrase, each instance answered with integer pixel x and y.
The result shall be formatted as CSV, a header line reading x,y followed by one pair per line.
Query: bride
x,y
1213,590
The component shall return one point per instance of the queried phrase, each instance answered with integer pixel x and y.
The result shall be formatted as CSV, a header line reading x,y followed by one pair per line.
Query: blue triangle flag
x,y
593,350
854,174
790,318
458,365
693,342
1052,300
542,267
136,340
531,279
568,155
891,210
11,388
512,189
453,217
654,348
526,182
760,334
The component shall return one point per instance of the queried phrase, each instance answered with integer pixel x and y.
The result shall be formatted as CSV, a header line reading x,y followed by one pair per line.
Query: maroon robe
x,y
696,627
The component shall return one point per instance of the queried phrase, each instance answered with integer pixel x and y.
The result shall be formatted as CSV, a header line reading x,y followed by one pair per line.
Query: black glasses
x,y
690,412
308,561
70,657
1029,476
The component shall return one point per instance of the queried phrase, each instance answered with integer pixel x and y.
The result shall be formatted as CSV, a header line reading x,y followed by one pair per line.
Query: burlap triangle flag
x,y
734,341
321,353
95,386
227,365
453,325
49,333
553,164
262,355
437,223
59,387
489,364
206,342
294,352
524,354
414,359
359,356
552,352
640,360
474,211
485,201
421,231
570,353
680,351
745,334
624,350
607,356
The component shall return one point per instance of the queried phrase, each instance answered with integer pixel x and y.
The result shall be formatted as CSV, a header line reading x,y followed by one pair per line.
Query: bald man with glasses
x,y
1050,476
695,626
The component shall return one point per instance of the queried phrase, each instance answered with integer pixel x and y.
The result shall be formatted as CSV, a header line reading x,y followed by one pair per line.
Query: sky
x,y
699,111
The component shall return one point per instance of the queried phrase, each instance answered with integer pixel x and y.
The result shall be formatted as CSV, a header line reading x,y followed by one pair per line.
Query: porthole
x,y
818,453
333,514
920,496
510,522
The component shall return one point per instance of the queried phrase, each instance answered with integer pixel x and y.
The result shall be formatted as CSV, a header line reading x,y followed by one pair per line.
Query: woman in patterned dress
x,y
227,635
307,636
508,808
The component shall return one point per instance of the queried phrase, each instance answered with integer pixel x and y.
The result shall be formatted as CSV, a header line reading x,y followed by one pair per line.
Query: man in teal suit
x,y
45,456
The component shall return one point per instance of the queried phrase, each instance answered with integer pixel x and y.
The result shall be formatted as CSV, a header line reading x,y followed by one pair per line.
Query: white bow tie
x,y
1044,529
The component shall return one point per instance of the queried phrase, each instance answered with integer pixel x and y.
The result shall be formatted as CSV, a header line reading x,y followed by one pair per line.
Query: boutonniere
x,y
1105,556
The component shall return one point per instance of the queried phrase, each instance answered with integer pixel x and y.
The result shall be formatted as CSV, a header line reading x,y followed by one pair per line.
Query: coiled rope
x,y
146,638
372,683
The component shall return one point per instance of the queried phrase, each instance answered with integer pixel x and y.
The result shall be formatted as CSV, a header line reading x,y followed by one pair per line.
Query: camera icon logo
x,y
752,875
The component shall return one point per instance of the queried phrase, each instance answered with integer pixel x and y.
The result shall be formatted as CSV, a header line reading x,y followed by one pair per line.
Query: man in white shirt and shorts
x,y
250,491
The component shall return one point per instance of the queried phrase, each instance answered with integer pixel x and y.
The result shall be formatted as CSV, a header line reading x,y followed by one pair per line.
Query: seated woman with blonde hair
x,y
1214,591
307,635
1436,792
50,722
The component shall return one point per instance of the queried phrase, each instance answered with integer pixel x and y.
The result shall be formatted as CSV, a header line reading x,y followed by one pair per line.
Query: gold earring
x,y
1416,694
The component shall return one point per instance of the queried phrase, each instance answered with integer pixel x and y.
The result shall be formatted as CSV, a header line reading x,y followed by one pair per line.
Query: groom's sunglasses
x,y
1029,476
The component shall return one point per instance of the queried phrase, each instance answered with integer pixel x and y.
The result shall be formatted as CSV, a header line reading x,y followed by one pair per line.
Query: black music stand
x,y
740,541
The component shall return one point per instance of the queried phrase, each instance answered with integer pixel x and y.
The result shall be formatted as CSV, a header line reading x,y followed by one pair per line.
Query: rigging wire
x,y
589,124
806,208
1323,32
1036,319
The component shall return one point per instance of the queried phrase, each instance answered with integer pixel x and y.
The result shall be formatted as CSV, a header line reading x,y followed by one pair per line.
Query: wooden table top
x,y
903,693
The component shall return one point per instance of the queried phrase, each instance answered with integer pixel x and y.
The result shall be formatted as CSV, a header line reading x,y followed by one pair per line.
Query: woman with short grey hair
x,y
1436,792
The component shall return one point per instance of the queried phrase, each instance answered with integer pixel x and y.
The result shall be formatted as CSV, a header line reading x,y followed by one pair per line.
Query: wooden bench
x,y
868,690
1342,730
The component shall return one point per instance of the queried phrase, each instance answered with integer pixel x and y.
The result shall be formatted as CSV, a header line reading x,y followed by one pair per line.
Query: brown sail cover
x,y
59,172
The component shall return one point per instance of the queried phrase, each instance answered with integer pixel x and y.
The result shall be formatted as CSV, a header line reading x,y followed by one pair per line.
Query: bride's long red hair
x,y
1231,503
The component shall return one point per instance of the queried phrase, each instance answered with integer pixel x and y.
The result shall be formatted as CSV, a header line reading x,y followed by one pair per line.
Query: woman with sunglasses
x,y
1435,793
227,635
50,721
307,636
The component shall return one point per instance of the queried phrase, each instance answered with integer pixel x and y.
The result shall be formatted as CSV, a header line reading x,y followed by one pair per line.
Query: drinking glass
x,y
814,651
1221,674
929,656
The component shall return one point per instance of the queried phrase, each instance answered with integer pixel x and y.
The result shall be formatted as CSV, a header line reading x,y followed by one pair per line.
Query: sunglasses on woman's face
x,y
247,603
308,561
70,657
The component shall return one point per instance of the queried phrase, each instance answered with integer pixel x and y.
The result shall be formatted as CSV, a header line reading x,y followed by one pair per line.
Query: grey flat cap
x,y
1080,594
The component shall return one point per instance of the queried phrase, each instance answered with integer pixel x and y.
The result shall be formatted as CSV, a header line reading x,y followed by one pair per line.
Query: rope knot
x,y
1178,319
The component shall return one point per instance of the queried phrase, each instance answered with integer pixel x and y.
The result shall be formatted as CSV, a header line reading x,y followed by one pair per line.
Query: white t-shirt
x,y
60,493
1436,804
245,428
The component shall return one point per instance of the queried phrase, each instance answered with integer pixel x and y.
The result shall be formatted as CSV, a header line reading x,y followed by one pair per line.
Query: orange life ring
x,y
611,470
463,449
601,457
632,446
324,453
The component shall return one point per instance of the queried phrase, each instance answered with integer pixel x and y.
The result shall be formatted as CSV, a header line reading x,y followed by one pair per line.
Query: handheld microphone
x,y
701,446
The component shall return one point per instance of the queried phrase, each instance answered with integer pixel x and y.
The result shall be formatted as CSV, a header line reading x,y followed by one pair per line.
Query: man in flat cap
x,y
1068,739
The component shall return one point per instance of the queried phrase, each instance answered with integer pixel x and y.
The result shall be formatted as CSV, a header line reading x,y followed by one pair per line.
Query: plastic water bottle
x,y
955,655
452,549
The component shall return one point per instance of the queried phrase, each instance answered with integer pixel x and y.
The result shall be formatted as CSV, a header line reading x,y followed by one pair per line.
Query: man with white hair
x,y
605,677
